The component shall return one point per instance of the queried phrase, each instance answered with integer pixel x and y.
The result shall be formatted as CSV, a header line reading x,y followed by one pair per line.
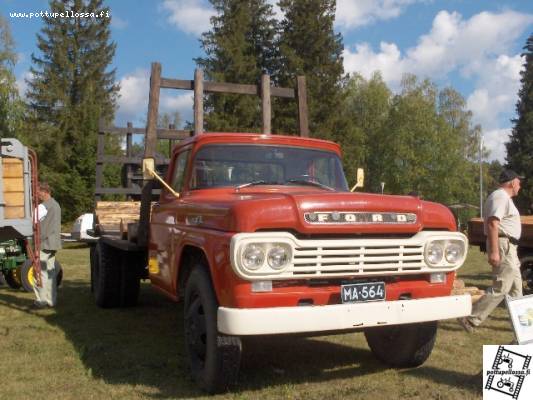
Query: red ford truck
x,y
259,234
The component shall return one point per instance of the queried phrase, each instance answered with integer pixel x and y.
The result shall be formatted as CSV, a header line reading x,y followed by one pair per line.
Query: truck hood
x,y
313,212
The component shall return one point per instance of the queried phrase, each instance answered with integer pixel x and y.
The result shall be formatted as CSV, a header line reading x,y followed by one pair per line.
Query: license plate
x,y
361,292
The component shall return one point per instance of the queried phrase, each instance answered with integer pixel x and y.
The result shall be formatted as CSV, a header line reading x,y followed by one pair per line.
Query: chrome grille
x,y
357,260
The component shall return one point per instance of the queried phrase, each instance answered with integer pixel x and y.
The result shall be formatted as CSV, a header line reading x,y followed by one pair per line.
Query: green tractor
x,y
19,227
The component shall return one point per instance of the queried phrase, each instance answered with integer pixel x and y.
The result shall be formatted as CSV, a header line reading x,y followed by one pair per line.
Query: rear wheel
x,y
214,358
402,346
106,276
12,278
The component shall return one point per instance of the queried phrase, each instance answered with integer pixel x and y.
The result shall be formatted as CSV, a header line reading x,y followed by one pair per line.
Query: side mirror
x,y
360,179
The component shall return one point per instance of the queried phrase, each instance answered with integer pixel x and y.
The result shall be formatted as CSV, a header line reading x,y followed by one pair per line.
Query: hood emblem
x,y
337,217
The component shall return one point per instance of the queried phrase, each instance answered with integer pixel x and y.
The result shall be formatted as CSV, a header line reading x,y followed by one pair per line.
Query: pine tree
x,y
520,145
239,48
11,106
71,89
309,46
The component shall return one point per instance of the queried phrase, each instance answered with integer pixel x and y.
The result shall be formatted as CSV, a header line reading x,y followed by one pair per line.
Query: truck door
x,y
165,230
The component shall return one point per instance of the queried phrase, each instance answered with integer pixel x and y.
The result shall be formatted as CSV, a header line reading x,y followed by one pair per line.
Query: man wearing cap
x,y
503,229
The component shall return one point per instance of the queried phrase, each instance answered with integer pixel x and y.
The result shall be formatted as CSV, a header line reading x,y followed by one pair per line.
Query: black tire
x,y
214,358
526,266
12,278
106,276
130,282
402,346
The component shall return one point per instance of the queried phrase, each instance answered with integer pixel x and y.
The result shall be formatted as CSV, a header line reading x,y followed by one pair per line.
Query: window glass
x,y
179,171
233,165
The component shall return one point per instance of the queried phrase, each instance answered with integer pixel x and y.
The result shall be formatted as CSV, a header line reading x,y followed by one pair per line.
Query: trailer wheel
x,y
106,276
130,281
402,346
13,278
91,262
526,266
214,358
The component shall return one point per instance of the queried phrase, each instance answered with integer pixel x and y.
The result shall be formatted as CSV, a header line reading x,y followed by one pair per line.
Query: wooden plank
x,y
13,185
266,105
231,88
302,107
12,167
14,212
167,83
288,93
198,102
121,190
150,140
13,199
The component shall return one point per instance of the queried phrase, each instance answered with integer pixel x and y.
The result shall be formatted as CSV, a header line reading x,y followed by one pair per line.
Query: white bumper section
x,y
275,320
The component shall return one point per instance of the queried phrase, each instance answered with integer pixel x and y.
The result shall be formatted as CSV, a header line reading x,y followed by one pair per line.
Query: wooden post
x,y
265,104
150,142
198,101
153,105
129,154
302,107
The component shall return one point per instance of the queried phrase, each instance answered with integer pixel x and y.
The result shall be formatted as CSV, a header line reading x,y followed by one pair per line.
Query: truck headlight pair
x,y
439,252
276,255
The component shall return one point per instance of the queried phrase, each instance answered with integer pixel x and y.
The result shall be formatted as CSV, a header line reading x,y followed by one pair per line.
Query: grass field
x,y
79,351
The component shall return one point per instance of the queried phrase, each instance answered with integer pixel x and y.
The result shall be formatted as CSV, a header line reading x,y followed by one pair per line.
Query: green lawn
x,y
79,351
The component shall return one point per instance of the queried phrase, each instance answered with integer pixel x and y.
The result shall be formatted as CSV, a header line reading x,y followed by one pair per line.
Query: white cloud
x,y
189,16
477,48
495,141
353,14
133,101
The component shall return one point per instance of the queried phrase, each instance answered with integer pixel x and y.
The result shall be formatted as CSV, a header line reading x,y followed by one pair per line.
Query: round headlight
x,y
454,252
253,256
278,257
434,253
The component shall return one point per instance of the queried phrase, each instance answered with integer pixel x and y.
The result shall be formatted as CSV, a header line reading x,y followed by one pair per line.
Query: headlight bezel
x,y
266,267
445,244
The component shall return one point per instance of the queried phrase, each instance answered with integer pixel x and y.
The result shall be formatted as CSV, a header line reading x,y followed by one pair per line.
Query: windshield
x,y
240,164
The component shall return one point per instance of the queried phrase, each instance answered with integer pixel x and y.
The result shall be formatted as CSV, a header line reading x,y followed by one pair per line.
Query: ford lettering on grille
x,y
327,217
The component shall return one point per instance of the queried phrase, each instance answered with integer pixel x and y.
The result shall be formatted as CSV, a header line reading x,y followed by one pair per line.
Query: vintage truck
x,y
525,246
259,234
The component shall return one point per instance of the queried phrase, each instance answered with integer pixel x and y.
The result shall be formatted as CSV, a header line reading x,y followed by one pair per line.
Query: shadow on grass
x,y
472,383
143,347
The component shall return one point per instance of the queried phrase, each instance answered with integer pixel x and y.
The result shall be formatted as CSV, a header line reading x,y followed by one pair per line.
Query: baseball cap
x,y
508,175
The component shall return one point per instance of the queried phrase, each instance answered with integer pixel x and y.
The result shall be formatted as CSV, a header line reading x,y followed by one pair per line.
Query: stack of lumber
x,y
113,217
460,288
13,187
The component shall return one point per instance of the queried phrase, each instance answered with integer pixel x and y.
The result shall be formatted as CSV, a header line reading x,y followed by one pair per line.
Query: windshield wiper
x,y
253,183
310,183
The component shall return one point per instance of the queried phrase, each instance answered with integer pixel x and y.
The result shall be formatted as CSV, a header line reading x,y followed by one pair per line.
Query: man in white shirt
x,y
503,228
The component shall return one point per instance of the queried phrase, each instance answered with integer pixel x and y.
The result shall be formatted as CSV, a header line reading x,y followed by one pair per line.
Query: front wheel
x,y
214,358
402,346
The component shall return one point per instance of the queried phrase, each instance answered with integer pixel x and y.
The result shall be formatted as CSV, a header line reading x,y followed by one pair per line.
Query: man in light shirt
x,y
503,228
49,214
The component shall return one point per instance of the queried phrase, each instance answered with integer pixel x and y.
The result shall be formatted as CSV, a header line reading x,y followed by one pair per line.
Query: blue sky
x,y
472,45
